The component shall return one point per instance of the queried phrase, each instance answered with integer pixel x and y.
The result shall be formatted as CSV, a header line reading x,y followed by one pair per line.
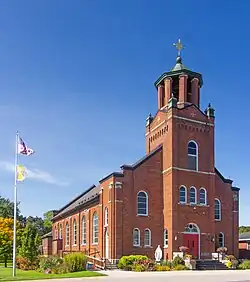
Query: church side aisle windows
x,y
106,221
84,230
142,203
75,232
60,231
136,237
192,156
217,210
95,228
147,238
203,197
67,234
192,195
183,195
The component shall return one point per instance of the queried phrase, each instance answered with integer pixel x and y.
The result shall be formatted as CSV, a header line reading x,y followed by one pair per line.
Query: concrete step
x,y
210,265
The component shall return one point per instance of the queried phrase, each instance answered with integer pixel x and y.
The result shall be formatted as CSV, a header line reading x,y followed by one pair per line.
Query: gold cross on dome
x,y
179,47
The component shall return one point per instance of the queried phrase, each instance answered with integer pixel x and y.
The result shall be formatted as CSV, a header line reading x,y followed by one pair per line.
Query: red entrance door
x,y
192,242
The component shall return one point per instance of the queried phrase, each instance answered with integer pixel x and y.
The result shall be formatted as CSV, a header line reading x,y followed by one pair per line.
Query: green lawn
x,y
6,275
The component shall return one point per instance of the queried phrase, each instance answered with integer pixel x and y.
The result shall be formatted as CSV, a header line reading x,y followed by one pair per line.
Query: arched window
x,y
183,195
136,237
142,203
56,232
60,231
192,156
217,209
67,234
95,228
106,218
165,244
191,228
75,232
192,195
147,238
203,196
221,240
84,230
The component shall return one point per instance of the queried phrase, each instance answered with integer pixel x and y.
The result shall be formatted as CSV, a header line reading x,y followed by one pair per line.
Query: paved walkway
x,y
171,276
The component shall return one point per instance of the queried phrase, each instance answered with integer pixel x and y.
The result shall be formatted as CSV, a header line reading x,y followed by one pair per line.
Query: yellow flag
x,y
21,173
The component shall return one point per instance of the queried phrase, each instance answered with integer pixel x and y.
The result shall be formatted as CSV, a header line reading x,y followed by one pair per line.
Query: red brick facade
x,y
172,197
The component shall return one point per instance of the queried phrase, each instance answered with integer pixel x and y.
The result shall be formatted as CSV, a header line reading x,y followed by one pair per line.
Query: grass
x,y
6,275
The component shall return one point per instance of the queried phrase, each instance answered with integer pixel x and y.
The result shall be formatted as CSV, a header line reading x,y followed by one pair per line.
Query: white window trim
x,y
216,199
150,238
197,154
67,228
106,217
181,202
195,190
223,239
93,235
84,233
139,214
139,235
202,188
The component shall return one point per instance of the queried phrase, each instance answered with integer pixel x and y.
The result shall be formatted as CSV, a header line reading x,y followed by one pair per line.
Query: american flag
x,y
23,149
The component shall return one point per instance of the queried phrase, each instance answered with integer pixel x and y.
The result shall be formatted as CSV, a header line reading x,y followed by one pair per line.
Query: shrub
x,y
147,264
230,257
162,268
229,264
25,264
139,268
245,264
167,263
75,262
126,262
178,261
180,267
49,263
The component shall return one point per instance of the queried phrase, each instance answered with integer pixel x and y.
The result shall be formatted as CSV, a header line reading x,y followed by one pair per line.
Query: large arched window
x,y
221,240
75,232
165,243
183,195
84,230
142,203
95,228
67,234
147,238
106,217
136,237
203,197
60,231
192,195
192,156
217,209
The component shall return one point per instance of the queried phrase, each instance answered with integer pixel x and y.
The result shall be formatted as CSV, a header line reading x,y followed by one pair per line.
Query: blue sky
x,y
76,79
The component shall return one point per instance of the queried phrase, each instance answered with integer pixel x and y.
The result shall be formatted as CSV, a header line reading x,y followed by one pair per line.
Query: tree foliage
x,y
6,237
243,229
7,208
48,220
30,243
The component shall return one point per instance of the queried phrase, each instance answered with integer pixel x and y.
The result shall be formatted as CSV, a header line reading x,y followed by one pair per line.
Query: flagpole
x,y
15,206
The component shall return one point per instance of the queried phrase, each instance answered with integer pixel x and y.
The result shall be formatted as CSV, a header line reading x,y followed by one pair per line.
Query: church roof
x,y
142,160
86,196
244,236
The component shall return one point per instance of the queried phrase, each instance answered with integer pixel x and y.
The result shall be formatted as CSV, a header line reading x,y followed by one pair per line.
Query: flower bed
x,y
141,263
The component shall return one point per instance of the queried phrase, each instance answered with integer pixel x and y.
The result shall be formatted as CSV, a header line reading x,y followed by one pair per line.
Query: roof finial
x,y
179,47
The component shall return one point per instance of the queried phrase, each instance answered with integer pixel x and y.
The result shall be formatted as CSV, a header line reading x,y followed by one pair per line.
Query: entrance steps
x,y
210,265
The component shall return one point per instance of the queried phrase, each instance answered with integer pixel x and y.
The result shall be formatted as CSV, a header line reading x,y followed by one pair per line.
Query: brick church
x,y
174,196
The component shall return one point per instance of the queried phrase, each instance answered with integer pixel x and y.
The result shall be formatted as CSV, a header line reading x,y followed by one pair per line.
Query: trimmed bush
x,y
50,264
127,262
178,261
25,264
245,264
75,262
162,268
179,267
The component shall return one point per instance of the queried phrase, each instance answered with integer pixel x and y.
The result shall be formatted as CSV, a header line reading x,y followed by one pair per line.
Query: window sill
x,y
147,247
137,246
165,247
74,245
217,220
94,244
84,244
145,215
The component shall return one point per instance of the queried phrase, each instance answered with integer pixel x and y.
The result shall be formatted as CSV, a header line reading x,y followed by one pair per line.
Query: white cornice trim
x,y
188,170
